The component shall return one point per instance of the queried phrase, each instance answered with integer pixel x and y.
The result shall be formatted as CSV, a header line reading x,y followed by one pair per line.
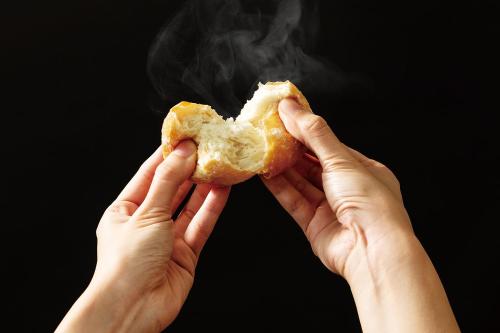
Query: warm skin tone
x,y
145,260
351,211
349,207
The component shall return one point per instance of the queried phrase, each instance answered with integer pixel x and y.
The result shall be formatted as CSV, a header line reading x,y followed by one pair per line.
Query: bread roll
x,y
233,150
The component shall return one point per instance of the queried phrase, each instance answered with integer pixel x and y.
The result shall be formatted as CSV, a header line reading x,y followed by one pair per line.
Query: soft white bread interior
x,y
233,150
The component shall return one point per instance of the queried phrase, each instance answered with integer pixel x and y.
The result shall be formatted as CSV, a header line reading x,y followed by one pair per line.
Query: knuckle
x,y
121,208
165,170
188,214
154,215
146,172
333,163
300,185
314,124
295,206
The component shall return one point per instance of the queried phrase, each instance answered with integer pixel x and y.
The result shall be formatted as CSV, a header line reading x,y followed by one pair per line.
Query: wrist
x,y
397,289
374,265
103,307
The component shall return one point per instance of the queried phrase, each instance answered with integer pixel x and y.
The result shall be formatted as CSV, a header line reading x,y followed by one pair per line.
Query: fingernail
x,y
289,106
185,148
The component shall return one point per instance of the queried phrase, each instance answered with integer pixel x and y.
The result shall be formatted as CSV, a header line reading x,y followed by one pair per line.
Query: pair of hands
x,y
349,207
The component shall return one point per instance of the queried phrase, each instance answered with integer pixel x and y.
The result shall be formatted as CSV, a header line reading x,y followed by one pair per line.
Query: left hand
x,y
145,260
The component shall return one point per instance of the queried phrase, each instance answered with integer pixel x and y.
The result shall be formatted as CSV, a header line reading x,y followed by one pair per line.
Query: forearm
x,y
402,293
101,308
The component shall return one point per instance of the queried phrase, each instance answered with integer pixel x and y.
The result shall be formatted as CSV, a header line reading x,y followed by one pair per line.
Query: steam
x,y
215,52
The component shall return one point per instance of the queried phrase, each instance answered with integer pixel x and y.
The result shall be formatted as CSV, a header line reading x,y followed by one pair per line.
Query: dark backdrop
x,y
78,122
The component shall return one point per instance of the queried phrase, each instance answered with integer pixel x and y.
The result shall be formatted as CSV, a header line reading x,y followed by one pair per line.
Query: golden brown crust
x,y
172,132
282,150
215,172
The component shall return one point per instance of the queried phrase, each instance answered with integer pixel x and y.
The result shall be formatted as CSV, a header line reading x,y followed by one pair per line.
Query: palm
x,y
301,191
144,259
331,241
169,297
172,273
158,256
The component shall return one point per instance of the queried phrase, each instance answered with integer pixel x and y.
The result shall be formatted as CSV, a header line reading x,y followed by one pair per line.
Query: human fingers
x,y
303,186
199,229
310,168
313,131
191,208
181,194
294,202
168,177
137,188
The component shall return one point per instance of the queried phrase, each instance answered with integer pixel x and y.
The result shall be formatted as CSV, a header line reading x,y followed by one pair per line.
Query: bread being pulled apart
x,y
233,150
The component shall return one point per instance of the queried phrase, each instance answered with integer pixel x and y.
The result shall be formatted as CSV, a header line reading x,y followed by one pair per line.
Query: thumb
x,y
314,132
169,176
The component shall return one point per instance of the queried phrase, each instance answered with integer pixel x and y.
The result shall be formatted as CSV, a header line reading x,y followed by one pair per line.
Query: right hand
x,y
349,206
351,210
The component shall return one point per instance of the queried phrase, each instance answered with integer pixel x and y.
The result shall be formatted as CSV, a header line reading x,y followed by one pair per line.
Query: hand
x,y
349,206
146,261
351,211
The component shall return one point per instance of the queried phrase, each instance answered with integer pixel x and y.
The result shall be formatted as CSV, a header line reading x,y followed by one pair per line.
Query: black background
x,y
77,123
